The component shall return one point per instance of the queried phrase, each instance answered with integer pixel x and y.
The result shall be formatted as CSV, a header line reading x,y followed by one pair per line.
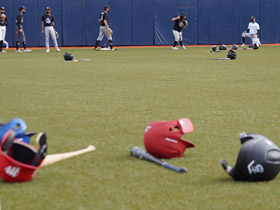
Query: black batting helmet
x,y
253,17
258,159
231,55
234,47
68,56
223,47
213,48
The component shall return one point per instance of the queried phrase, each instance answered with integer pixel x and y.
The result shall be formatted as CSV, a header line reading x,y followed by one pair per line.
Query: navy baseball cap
x,y
22,8
2,8
48,8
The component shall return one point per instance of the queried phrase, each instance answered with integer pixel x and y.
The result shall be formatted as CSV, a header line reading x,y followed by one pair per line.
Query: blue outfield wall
x,y
146,22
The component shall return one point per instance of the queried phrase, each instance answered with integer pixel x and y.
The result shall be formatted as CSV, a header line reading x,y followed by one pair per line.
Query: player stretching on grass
x,y
104,28
20,32
252,33
180,23
3,23
48,23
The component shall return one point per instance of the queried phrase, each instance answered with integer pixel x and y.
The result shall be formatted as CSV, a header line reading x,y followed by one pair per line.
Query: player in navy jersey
x,y
104,29
3,23
20,32
48,25
180,24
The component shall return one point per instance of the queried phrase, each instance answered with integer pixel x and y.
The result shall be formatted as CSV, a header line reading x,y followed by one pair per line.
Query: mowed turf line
x,y
109,101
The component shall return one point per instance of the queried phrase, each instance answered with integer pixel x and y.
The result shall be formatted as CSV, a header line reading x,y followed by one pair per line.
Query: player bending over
x,y
48,24
20,32
252,33
104,28
3,23
180,23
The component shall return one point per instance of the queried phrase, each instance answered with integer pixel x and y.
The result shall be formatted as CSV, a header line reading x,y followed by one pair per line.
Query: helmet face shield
x,y
163,138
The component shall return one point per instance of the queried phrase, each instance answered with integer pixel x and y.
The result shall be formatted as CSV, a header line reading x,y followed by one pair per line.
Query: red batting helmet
x,y
163,139
18,160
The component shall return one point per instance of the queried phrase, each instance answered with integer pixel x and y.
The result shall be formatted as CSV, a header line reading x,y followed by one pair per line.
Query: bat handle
x,y
173,168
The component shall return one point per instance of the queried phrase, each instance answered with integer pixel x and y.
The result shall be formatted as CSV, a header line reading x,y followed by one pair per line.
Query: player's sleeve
x,y
105,17
6,21
43,19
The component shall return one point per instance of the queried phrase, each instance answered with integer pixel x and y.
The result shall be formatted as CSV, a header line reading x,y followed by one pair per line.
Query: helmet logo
x,y
147,128
255,169
12,171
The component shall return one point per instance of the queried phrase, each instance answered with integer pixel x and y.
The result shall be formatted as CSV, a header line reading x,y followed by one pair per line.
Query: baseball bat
x,y
141,154
54,158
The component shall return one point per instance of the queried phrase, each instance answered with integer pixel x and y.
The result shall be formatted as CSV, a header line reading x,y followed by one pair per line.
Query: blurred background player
x,y
104,28
252,33
180,23
20,32
48,25
3,23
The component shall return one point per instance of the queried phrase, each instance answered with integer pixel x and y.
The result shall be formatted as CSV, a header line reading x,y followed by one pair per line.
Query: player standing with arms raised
x,y
104,28
20,32
48,25
3,23
180,24
252,33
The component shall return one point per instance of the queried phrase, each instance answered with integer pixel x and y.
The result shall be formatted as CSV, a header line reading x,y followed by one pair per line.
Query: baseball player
x,y
104,28
3,23
252,33
20,32
180,24
48,25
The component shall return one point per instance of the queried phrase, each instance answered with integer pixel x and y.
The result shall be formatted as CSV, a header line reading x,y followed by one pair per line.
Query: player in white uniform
x,y
252,33
3,23
48,25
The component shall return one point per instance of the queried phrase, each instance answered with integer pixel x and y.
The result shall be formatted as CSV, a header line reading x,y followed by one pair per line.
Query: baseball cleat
x,y
48,50
183,47
243,45
27,51
114,49
174,48
18,51
58,50
3,51
96,49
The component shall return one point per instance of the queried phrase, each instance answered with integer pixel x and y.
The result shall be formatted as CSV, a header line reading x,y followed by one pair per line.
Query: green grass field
x,y
109,101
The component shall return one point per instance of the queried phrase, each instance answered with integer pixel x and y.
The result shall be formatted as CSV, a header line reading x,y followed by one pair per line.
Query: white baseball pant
x,y
2,33
102,32
49,30
178,36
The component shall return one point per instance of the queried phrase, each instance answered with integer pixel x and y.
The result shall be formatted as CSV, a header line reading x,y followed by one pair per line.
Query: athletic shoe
x,y
243,45
95,48
27,51
174,48
18,51
58,50
114,49
3,51
47,50
183,47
